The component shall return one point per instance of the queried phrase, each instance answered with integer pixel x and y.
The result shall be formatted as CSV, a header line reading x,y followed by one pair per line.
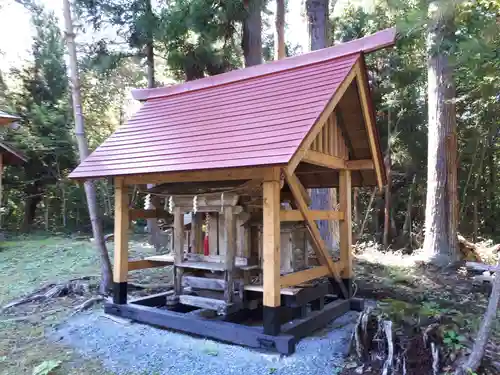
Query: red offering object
x,y
206,250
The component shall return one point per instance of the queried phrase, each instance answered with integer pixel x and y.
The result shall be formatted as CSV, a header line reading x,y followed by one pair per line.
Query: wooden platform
x,y
167,258
284,291
225,330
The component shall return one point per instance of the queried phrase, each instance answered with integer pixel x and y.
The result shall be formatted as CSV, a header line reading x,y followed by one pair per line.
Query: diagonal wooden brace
x,y
317,242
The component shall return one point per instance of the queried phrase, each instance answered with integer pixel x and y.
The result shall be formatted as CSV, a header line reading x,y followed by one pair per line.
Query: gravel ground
x,y
133,349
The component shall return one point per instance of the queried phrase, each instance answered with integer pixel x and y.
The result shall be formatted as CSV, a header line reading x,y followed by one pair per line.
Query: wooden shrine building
x,y
247,145
8,154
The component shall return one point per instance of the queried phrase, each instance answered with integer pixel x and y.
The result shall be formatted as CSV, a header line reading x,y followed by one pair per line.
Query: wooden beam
x,y
230,256
342,132
317,242
135,214
328,136
271,245
345,226
120,268
324,160
223,174
144,263
334,100
178,248
120,261
364,96
356,165
296,215
297,278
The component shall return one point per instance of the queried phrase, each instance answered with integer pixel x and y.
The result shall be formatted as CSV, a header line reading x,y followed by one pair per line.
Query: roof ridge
x,y
366,44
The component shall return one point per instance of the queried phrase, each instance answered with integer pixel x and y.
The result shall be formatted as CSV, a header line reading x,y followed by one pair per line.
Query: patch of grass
x,y
26,264
29,262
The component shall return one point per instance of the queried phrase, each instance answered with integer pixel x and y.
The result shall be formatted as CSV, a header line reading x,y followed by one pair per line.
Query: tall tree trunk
x,y
252,33
63,204
317,21
475,207
409,206
152,224
355,207
490,217
83,149
388,162
441,202
387,202
150,57
279,40
150,64
30,211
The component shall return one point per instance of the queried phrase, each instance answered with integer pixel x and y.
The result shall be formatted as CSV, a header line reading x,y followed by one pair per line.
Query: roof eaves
x,y
14,152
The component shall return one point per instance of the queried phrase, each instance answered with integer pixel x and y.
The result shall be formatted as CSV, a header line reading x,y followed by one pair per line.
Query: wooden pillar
x,y
230,256
120,269
271,253
345,229
197,233
178,248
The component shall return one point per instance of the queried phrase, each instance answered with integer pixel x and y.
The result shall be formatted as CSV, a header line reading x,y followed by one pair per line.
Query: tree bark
x,y
441,201
252,33
475,213
490,315
317,20
407,227
388,162
83,150
152,224
279,42
387,202
150,57
30,211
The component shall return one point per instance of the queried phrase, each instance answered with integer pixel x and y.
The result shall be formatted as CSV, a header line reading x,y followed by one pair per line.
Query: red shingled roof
x,y
252,117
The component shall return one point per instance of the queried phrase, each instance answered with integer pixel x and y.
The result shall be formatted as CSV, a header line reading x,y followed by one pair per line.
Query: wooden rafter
x,y
323,118
323,160
317,242
364,164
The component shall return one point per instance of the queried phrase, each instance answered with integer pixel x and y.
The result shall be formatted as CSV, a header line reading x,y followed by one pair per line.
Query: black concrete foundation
x,y
120,293
271,320
282,327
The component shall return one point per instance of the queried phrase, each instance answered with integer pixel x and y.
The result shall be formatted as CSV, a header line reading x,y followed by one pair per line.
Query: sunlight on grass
x,y
27,263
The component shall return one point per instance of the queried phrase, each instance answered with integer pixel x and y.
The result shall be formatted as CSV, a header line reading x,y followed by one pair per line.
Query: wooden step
x,y
204,283
217,305
209,283
203,266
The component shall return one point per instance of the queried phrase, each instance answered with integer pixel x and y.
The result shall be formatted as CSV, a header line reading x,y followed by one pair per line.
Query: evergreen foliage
x,y
195,38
